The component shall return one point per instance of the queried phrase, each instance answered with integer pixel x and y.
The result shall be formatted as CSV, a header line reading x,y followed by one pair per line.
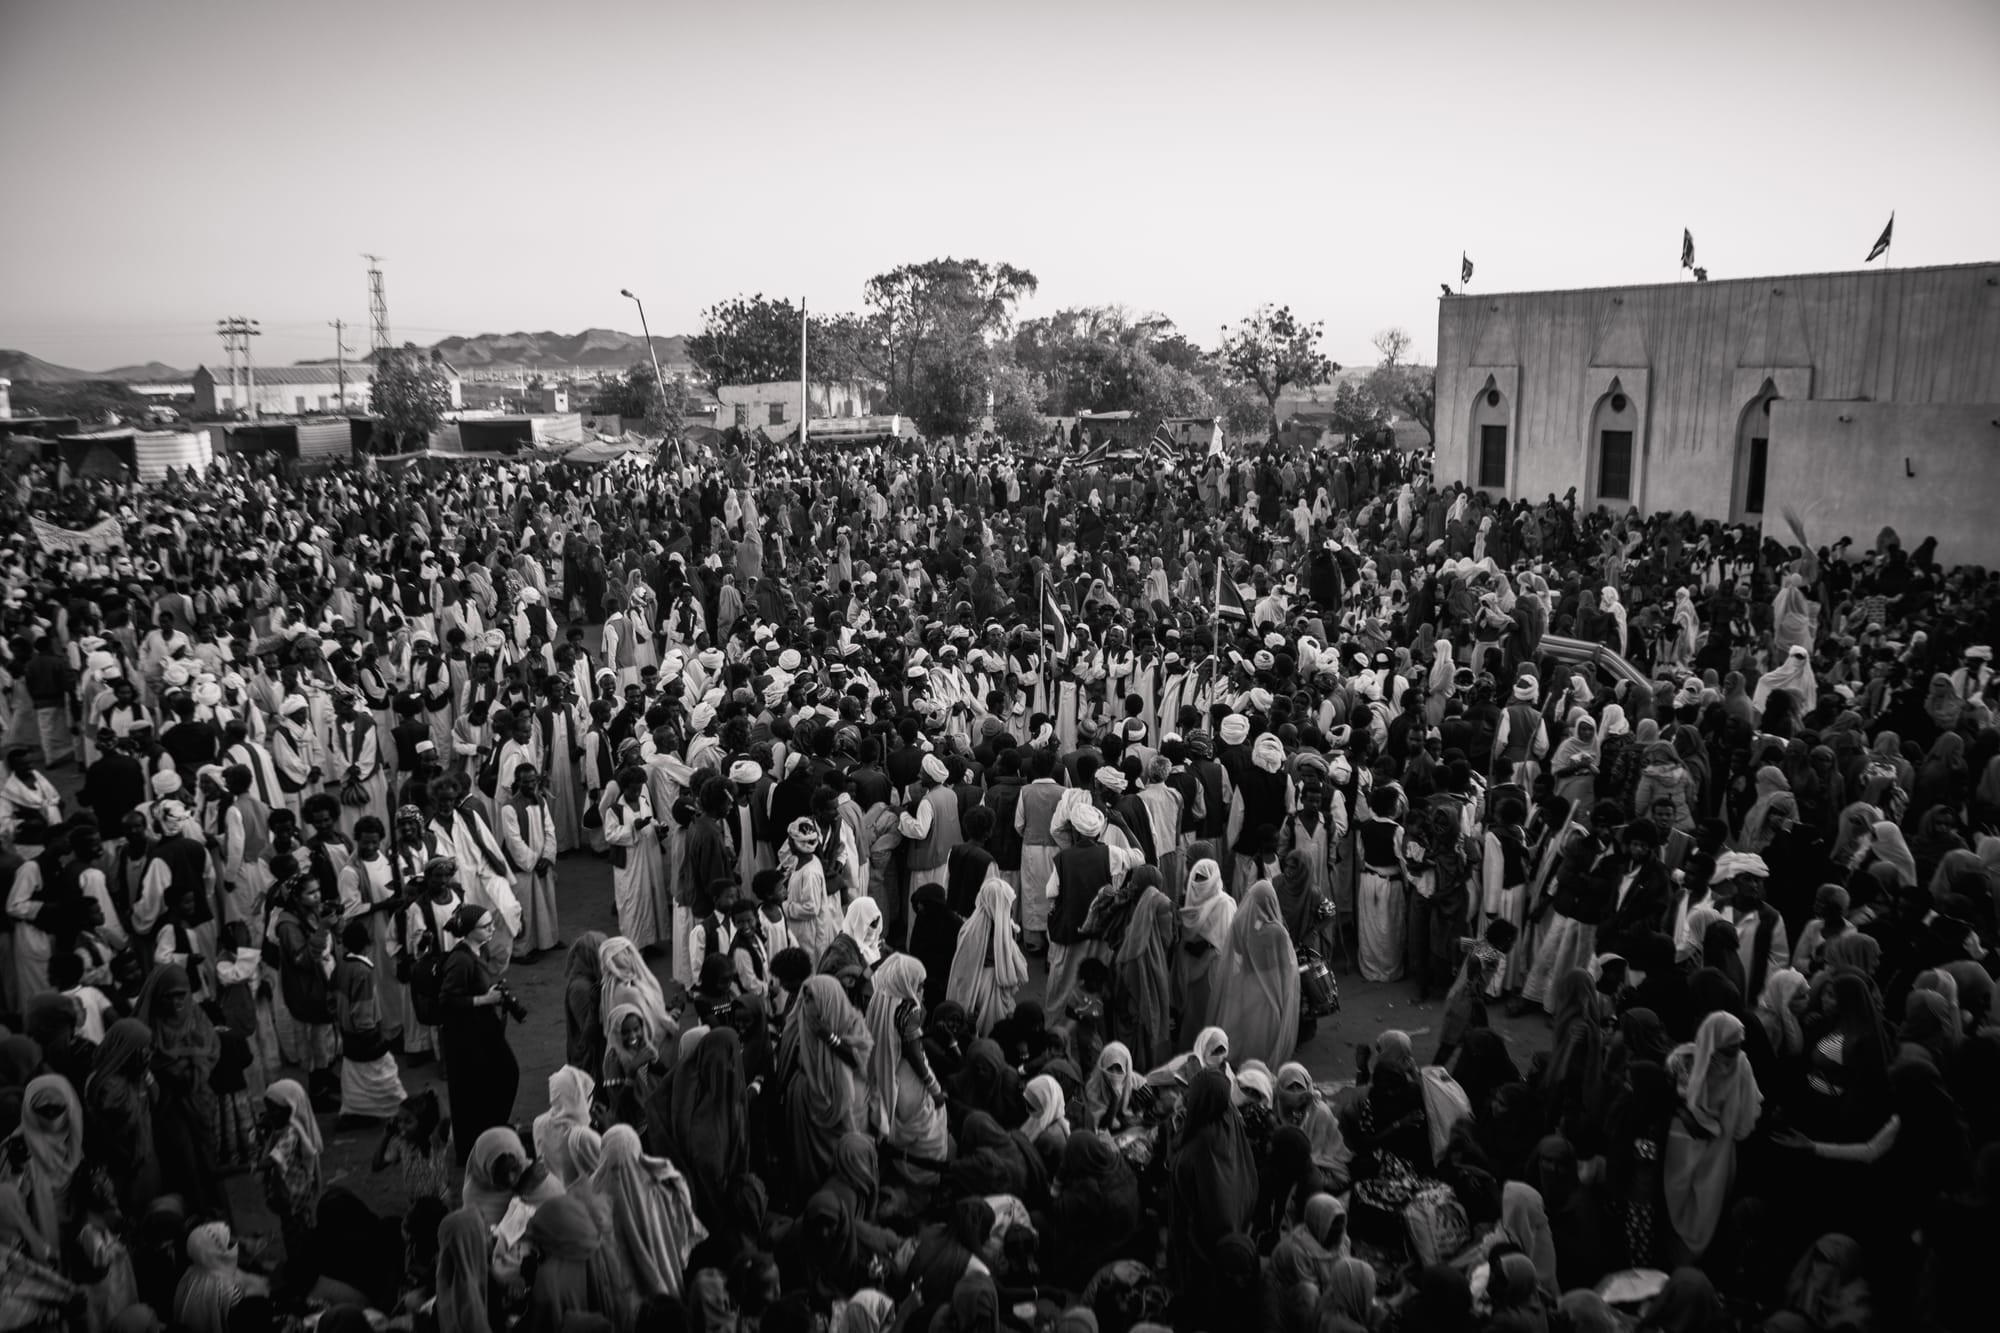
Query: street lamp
x,y
659,382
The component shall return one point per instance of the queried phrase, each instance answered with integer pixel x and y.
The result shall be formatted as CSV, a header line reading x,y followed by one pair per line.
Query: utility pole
x,y
805,385
227,330
378,310
236,334
340,351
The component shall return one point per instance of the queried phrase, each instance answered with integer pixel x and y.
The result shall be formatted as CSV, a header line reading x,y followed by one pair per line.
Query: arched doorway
x,y
1753,456
1613,465
1492,451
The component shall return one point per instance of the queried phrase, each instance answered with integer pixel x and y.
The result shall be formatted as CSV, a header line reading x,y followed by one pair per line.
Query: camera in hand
x,y
511,1002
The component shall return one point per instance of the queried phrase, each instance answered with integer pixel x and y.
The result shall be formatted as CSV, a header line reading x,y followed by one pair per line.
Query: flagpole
x,y
1215,630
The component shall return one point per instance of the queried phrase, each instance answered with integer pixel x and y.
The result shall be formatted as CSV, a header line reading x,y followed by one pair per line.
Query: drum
x,y
1319,993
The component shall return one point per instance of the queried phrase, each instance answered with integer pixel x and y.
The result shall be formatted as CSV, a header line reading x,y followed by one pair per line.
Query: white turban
x,y
1088,821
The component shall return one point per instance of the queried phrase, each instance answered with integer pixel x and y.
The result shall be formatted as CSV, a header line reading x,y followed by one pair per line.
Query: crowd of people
x,y
986,834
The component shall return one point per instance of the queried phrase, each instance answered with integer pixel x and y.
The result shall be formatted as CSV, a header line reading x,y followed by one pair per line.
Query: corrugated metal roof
x,y
313,375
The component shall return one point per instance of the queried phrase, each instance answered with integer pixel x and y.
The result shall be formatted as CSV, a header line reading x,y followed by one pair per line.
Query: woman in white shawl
x,y
902,1110
1793,618
1259,994
1047,1110
1157,589
1207,913
1686,637
988,968
1608,603
1795,675
1720,1097
1302,522
1574,768
570,1091
1438,689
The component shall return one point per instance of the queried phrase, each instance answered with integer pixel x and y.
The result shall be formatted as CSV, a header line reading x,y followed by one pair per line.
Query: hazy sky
x,y
516,164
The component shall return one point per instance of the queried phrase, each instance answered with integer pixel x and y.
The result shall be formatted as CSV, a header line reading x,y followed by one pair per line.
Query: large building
x,y
1856,400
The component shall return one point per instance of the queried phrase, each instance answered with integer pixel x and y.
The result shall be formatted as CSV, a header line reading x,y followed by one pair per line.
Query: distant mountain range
x,y
25,369
593,349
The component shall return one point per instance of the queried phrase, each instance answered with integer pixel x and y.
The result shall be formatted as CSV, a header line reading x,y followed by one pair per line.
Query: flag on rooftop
x,y
1464,269
1687,248
1881,246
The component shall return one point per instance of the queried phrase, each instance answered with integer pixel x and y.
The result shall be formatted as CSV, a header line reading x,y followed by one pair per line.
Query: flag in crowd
x,y
1055,627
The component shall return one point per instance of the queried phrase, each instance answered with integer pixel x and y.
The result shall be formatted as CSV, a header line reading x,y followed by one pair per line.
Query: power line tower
x,y
236,332
340,351
378,308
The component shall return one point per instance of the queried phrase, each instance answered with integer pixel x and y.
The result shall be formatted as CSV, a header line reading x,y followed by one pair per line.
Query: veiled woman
x,y
988,968
1259,995
905,1099
708,1121
186,1050
1095,1213
653,1226
464,1274
565,1235
822,1064
119,1114
1206,916
1212,1187
1722,1103
1142,977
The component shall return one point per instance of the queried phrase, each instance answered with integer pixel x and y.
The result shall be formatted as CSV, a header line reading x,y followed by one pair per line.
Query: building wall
x,y
217,396
1926,470
852,399
1692,358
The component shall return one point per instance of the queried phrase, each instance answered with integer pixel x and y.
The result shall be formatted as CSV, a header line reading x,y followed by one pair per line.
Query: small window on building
x,y
1753,489
777,414
322,402
301,401
1614,464
742,414
1493,457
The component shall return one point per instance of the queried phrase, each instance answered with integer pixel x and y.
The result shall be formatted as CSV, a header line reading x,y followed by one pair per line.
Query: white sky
x,y
516,164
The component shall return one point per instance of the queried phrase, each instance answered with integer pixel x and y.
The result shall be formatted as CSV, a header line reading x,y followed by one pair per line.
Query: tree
x,y
939,321
1243,411
1272,348
409,398
847,347
747,340
1394,344
755,340
1101,359
1355,412
1016,397
635,396
1409,390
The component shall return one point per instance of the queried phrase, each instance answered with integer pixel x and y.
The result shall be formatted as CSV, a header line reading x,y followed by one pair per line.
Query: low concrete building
x,y
777,402
279,391
1854,399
